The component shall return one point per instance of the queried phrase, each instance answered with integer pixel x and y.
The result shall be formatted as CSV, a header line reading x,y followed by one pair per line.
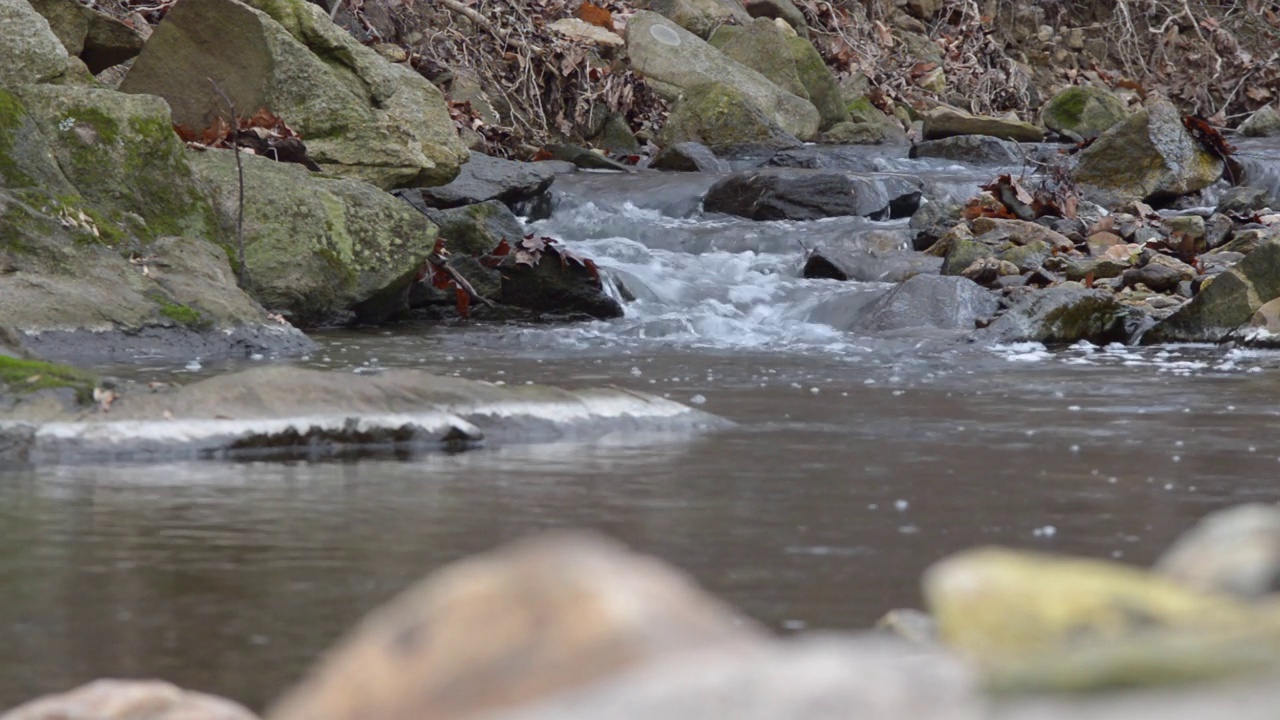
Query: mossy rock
x,y
1083,110
475,230
819,82
20,376
723,119
31,52
763,47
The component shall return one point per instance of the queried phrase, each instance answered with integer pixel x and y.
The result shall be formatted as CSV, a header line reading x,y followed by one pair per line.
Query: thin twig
x,y
235,148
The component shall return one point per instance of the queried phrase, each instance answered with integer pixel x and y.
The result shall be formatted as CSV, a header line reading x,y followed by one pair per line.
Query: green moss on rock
x,y
181,314
27,376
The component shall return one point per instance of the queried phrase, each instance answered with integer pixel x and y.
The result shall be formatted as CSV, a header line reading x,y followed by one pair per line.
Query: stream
x,y
854,461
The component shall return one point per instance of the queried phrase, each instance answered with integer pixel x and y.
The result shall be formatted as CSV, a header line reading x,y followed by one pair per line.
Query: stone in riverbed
x,y
360,115
945,122
725,120
556,285
1083,110
688,157
539,618
1149,157
1243,201
875,256
1263,123
929,302
1236,550
1061,314
1228,302
786,194
475,230
982,149
129,700
486,178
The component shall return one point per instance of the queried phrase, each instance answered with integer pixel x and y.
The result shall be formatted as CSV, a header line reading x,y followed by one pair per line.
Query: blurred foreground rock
x,y
129,700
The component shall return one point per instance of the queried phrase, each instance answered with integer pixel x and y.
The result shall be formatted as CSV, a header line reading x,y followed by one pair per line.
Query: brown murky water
x,y
819,510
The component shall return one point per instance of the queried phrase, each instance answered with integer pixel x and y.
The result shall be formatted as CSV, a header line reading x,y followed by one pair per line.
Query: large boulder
x,y
97,38
1149,157
674,61
700,17
1228,302
31,52
1084,111
723,119
129,700
819,82
688,157
491,633
322,250
944,122
786,194
870,124
360,115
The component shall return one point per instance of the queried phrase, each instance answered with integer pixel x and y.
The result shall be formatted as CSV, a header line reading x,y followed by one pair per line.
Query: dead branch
x,y
234,121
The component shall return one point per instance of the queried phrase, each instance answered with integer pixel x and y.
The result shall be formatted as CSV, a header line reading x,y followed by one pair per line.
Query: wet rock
x,y
778,194
1233,551
1155,276
475,229
538,619
676,62
1263,329
931,221
928,301
688,157
962,252
487,178
822,678
1263,123
556,286
982,149
1020,232
1065,314
868,257
287,411
1025,258
586,159
779,9
724,119
1086,111
1148,157
324,250
129,700
1228,302
700,17
823,158
31,51
1244,201
945,122
362,116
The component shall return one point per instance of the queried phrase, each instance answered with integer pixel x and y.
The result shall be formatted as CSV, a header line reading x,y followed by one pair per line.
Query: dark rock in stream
x,y
929,301
557,285
287,410
475,229
824,157
980,149
1228,301
1063,314
787,194
688,157
876,256
486,178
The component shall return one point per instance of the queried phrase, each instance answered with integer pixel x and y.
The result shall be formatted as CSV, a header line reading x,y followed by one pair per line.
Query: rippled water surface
x,y
854,463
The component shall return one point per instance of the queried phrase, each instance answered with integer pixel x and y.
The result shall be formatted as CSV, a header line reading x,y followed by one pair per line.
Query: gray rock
x,y
475,229
823,158
99,39
1234,551
863,133
31,52
929,301
1062,314
488,178
725,120
982,149
700,17
763,47
688,157
1085,111
964,252
675,62
874,256
361,115
819,82
1157,277
1263,123
785,194
945,122
281,410
560,285
783,9
1243,201
1228,302
1149,157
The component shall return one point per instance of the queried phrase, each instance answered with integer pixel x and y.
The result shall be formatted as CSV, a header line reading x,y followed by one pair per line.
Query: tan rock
x,y
945,122
576,29
517,624
129,700
1021,232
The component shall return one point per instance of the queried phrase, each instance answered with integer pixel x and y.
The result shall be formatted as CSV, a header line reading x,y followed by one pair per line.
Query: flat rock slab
x,y
280,409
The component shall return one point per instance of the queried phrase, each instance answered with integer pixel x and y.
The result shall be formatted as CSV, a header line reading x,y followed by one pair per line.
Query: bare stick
x,y
235,148
442,264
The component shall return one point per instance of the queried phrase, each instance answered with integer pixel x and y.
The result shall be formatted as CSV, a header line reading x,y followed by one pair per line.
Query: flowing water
x,y
853,464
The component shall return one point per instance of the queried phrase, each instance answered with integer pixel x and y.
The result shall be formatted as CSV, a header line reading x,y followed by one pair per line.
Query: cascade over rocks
x,y
1149,157
674,61
786,194
360,115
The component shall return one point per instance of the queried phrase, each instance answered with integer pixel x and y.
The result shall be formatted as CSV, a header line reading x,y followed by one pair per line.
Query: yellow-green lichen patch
x,y
26,376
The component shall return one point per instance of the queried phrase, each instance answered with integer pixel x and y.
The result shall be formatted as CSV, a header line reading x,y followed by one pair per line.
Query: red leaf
x,y
462,301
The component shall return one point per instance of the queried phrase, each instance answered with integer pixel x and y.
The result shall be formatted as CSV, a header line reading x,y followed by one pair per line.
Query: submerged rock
x,y
785,194
129,700
1149,157
288,411
675,62
1084,111
360,115
1233,551
539,618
